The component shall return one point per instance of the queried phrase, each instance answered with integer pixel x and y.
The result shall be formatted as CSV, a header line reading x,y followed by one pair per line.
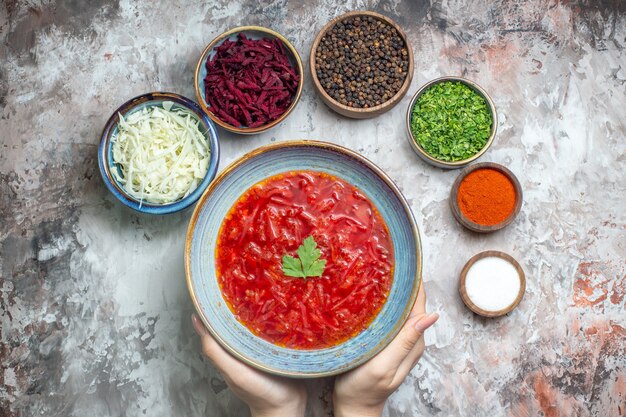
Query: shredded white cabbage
x,y
162,154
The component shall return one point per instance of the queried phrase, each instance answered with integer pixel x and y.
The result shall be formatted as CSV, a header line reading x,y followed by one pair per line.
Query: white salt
x,y
492,283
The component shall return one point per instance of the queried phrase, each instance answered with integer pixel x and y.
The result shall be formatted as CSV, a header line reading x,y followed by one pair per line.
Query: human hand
x,y
266,395
362,392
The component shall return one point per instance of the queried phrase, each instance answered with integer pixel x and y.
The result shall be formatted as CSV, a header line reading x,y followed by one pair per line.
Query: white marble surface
x,y
93,306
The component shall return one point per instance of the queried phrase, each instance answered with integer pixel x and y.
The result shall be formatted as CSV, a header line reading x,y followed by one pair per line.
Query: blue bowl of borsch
x,y
303,259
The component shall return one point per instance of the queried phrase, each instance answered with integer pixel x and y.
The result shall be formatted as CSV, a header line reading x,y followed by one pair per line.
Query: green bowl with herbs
x,y
451,122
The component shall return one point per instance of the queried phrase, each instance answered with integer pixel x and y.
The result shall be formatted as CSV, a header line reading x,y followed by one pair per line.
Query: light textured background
x,y
93,306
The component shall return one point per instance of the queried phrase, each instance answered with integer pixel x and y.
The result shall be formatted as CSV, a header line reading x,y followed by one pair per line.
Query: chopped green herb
x,y
450,121
308,263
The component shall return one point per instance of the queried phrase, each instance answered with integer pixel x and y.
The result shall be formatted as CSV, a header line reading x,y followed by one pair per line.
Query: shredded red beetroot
x,y
250,82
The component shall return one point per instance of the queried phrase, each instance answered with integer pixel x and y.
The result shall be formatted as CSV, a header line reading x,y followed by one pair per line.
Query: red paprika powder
x,y
486,196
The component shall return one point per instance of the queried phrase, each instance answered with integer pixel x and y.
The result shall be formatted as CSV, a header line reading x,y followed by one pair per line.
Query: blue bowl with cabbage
x,y
158,153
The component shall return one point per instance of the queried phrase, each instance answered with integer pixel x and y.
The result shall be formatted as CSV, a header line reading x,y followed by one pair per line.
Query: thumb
x,y
414,354
225,362
415,331
209,345
404,343
198,326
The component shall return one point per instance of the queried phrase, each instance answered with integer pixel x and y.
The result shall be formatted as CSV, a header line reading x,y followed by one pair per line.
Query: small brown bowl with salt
x,y
486,197
249,79
361,64
492,283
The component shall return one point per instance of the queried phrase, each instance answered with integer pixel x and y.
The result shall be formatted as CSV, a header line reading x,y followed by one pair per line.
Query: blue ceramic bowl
x,y
200,257
251,32
105,153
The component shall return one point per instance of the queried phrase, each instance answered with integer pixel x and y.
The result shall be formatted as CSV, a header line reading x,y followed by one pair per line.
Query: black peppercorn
x,y
369,55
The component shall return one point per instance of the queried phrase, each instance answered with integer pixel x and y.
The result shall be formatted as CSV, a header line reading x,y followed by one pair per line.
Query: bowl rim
x,y
463,290
417,281
383,107
417,148
105,146
464,220
202,61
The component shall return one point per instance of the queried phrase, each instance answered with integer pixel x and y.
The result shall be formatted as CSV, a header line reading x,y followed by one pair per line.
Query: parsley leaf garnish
x,y
308,263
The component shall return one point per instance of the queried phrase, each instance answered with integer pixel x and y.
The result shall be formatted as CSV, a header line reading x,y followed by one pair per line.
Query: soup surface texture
x,y
271,220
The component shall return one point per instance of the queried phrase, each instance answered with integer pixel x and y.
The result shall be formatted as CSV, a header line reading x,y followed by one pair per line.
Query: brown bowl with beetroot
x,y
249,79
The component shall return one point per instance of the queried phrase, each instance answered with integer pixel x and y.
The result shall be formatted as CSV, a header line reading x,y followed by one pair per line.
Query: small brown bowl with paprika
x,y
361,64
486,197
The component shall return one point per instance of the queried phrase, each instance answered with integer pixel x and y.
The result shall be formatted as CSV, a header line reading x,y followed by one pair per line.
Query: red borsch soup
x,y
304,260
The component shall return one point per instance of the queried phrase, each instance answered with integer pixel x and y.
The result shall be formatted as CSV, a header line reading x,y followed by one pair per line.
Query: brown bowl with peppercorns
x,y
361,64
